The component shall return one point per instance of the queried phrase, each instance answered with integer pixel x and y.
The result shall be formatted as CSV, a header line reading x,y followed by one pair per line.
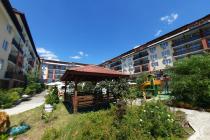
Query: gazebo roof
x,y
91,73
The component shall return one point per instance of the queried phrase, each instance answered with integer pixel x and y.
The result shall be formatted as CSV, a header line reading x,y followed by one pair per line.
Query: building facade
x,y
53,70
156,55
18,55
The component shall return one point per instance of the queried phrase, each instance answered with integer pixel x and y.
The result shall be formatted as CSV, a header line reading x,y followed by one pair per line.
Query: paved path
x,y
200,121
35,101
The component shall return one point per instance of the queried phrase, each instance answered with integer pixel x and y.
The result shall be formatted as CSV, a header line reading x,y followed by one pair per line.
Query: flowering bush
x,y
154,120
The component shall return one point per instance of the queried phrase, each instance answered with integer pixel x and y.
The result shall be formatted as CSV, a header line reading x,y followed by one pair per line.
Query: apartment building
x,y
53,70
158,54
18,55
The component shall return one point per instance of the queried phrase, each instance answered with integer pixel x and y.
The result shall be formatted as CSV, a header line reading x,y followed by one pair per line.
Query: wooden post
x,y
75,99
65,96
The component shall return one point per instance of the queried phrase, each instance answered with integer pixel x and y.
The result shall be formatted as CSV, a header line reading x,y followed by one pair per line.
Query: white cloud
x,y
169,19
76,57
47,54
158,32
80,55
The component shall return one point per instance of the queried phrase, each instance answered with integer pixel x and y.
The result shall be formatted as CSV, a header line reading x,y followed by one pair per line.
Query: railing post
x,y
75,99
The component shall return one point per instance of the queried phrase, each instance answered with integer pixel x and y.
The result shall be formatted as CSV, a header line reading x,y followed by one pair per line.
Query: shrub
x,y
52,97
29,90
48,116
191,80
150,121
18,90
8,98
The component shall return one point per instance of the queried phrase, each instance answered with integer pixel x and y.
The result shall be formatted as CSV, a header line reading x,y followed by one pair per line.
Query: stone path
x,y
200,121
34,102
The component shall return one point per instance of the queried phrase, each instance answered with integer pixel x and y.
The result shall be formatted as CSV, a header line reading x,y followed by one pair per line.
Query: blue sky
x,y
91,31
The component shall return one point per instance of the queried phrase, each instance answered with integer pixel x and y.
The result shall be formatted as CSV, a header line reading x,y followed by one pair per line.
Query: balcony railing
x,y
31,62
118,68
140,55
12,58
182,51
14,42
15,75
206,32
185,40
145,68
209,43
137,70
116,64
141,62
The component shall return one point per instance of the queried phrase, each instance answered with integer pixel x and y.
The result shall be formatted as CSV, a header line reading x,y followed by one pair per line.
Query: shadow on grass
x,y
104,106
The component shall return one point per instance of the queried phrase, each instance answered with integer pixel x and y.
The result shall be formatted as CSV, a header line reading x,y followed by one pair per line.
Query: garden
x,y
125,120
13,96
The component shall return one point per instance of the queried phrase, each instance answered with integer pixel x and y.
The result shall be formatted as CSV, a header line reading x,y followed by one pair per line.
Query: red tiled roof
x,y
91,71
96,69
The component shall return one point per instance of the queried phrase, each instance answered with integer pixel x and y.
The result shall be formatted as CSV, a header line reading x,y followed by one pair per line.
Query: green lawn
x,y
38,126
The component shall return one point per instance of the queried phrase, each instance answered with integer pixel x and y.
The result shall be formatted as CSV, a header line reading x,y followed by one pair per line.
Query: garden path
x,y
34,102
200,121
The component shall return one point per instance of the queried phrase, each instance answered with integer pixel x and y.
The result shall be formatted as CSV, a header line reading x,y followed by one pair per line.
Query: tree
x,y
191,80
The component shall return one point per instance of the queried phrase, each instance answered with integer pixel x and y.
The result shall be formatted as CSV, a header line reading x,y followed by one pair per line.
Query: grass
x,y
33,117
61,120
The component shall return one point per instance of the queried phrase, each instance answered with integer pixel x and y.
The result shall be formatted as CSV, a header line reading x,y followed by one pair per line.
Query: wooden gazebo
x,y
91,73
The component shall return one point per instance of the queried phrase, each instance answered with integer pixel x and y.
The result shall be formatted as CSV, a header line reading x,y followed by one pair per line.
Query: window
x,y
165,53
164,45
166,61
209,43
154,64
50,67
5,45
63,67
1,64
137,69
152,50
153,57
9,29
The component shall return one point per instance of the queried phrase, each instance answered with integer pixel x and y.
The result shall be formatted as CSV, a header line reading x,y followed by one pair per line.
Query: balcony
x,y
141,62
140,55
15,75
14,42
12,58
206,32
183,50
145,68
185,39
31,62
137,70
118,68
209,43
116,64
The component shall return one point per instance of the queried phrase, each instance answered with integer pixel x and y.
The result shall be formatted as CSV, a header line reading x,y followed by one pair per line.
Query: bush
x,y
52,97
191,80
8,98
33,88
18,90
150,121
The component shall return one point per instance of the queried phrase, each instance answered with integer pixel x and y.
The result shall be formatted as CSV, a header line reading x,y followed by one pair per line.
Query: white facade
x,y
15,48
160,56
